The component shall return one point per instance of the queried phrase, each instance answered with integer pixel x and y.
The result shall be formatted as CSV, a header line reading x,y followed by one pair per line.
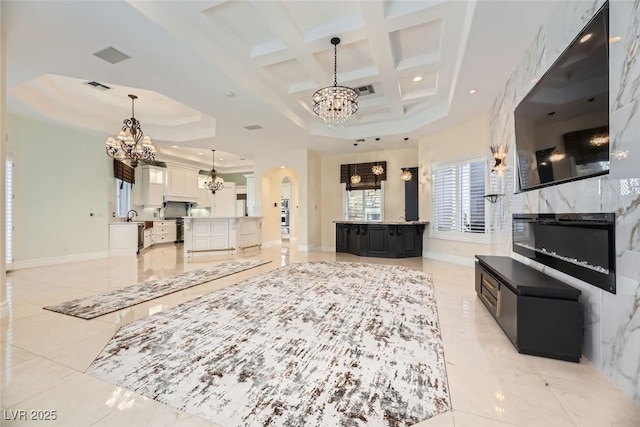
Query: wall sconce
x,y
499,152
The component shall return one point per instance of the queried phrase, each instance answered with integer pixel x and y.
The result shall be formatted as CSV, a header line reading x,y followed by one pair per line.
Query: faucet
x,y
129,218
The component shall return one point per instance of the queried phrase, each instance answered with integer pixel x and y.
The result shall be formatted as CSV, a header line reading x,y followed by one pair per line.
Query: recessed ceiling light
x,y
281,167
585,38
174,146
220,159
472,91
614,39
417,78
199,154
230,94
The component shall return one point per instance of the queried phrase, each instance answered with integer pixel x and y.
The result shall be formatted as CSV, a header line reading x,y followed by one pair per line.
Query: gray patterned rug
x,y
108,302
317,344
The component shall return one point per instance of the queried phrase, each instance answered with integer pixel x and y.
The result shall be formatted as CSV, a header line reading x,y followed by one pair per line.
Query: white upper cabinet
x,y
153,179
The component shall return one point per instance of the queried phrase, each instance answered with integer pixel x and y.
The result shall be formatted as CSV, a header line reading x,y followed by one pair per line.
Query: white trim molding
x,y
4,309
272,243
18,265
449,258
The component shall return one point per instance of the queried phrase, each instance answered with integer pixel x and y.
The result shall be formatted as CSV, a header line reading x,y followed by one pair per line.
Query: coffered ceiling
x,y
206,70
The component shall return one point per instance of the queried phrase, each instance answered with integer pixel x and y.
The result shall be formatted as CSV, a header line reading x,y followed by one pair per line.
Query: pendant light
x,y
406,174
377,169
355,178
213,182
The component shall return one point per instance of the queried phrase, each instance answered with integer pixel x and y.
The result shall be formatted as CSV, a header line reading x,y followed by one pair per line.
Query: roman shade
x,y
123,172
369,180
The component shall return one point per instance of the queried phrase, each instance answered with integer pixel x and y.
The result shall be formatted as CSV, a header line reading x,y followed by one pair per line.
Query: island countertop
x,y
383,222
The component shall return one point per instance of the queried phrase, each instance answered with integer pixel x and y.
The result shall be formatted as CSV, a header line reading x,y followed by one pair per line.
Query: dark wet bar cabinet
x,y
380,239
540,315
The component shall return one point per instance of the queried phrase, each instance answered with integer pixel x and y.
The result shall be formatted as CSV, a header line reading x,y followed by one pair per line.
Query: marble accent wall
x,y
612,322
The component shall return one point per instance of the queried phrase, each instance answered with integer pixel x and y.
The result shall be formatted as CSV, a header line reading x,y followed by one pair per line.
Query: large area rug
x,y
309,344
108,302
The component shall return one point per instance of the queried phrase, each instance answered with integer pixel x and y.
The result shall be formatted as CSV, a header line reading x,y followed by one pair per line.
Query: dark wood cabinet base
x,y
540,315
380,240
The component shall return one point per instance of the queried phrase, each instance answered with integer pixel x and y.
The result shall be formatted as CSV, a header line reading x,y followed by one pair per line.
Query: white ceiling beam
x,y
374,16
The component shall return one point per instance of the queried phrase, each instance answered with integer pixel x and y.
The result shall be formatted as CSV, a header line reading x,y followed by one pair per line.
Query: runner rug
x,y
317,344
108,302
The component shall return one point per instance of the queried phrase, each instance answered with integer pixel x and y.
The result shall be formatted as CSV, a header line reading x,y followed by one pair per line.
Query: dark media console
x,y
540,315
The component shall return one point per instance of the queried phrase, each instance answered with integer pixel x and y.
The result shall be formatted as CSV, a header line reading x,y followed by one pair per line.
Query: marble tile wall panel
x,y
612,322
564,24
624,130
624,78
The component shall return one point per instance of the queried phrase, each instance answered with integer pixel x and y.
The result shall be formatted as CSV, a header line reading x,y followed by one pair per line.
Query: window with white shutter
x,y
9,213
459,208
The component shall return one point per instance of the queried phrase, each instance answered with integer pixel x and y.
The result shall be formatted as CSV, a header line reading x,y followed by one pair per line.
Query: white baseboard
x,y
18,265
303,248
449,258
272,243
327,248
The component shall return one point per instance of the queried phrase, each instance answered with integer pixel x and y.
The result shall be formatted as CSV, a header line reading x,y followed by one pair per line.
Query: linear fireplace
x,y
579,244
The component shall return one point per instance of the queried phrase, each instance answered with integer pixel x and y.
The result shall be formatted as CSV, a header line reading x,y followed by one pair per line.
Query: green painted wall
x,y
238,178
61,177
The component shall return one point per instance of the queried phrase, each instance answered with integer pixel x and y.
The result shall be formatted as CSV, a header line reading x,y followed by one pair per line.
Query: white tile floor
x,y
44,354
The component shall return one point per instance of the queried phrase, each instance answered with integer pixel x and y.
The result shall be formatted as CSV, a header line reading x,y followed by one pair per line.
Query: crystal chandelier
x,y
127,144
377,170
406,175
213,182
355,178
335,104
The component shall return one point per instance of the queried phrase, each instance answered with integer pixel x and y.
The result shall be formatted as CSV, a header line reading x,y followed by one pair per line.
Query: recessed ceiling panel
x,y
416,41
242,18
428,82
318,19
287,72
393,8
351,57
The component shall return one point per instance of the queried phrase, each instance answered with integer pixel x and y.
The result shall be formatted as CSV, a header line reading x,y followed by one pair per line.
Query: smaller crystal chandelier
x,y
213,182
355,178
599,140
127,144
556,156
406,174
335,104
377,170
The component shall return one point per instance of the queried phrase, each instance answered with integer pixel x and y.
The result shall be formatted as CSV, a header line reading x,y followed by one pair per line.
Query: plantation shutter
x,y
9,213
472,188
444,198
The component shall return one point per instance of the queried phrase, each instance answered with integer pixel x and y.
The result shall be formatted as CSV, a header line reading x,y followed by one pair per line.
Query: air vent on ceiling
x,y
98,85
111,55
365,90
253,127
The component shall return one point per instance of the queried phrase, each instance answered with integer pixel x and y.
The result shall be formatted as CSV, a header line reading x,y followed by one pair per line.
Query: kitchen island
x,y
396,239
206,236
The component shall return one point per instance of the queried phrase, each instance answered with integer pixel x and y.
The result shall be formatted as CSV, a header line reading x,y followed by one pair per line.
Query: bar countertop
x,y
383,222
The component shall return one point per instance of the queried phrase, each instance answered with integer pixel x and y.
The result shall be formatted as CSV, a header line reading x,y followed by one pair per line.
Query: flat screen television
x,y
562,125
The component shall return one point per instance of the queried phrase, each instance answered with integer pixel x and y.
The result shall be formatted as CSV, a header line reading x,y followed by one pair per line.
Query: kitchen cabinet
x,y
540,315
206,236
123,238
153,186
380,239
224,201
181,184
164,232
148,237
